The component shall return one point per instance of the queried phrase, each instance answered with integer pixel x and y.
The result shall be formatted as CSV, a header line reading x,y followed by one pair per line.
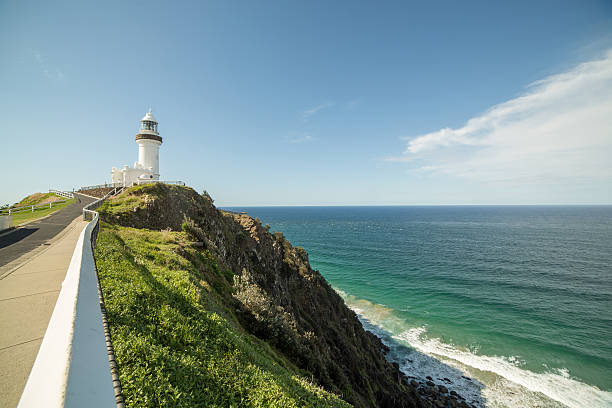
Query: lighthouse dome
x,y
148,128
149,117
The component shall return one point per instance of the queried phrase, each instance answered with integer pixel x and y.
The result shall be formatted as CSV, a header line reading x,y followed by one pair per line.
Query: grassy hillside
x,y
177,343
38,198
26,216
35,199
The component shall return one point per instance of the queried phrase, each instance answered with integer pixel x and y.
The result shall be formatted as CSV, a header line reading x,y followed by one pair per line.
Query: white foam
x,y
555,385
508,386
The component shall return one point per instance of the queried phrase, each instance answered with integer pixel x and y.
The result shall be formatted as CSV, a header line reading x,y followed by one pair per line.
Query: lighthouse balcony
x,y
149,136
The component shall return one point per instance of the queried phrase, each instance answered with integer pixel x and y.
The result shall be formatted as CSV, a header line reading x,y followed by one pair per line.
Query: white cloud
x,y
353,103
558,132
301,139
43,65
309,112
398,159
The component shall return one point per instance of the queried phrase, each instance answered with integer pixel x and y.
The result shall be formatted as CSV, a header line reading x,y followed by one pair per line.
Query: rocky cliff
x,y
273,293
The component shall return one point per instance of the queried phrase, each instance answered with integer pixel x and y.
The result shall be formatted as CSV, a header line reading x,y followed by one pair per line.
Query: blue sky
x,y
314,103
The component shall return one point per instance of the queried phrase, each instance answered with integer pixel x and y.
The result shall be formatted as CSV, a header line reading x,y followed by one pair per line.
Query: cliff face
x,y
275,294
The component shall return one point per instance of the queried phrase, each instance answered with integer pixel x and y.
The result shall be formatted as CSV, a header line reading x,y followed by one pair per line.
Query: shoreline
x,y
429,363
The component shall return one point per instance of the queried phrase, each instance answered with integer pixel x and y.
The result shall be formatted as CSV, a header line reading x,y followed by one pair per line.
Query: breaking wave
x,y
484,381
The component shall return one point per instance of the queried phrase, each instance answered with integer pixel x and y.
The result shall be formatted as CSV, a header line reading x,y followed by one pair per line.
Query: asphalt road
x,y
22,240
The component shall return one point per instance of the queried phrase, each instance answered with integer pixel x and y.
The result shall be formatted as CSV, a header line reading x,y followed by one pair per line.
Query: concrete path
x,y
36,234
30,282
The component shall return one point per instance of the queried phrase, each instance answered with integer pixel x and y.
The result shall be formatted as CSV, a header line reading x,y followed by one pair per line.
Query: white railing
x,y
88,210
30,208
75,365
138,182
106,185
177,182
66,194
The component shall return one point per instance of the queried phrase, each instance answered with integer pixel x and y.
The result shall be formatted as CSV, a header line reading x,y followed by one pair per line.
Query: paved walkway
x,y
31,273
35,235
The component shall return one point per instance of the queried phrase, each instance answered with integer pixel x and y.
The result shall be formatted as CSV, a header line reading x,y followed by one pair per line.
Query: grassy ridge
x,y
176,341
36,198
23,217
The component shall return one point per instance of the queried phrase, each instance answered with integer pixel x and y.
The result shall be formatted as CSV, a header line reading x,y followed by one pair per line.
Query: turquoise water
x,y
520,298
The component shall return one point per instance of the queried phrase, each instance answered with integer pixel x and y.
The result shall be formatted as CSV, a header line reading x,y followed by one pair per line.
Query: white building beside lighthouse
x,y
147,166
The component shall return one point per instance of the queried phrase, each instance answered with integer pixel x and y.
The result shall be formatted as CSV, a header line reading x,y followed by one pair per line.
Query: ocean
x,y
510,306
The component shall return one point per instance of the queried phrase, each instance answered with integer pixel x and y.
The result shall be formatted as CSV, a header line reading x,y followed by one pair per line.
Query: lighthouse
x,y
147,166
149,140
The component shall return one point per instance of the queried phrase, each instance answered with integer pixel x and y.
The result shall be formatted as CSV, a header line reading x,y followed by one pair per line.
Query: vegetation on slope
x,y
176,344
35,199
255,281
38,198
26,216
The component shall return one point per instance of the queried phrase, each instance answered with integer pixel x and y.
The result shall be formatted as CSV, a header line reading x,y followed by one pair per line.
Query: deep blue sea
x,y
511,306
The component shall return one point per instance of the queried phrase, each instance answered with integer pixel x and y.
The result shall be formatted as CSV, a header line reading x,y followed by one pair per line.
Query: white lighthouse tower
x,y
149,140
147,166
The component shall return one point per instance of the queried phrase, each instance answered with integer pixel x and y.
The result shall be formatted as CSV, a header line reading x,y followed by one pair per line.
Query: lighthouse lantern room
x,y
147,166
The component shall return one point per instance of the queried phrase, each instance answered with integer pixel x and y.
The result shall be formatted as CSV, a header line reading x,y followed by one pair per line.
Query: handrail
x,y
177,182
15,210
105,185
88,210
66,194
12,210
75,365
138,182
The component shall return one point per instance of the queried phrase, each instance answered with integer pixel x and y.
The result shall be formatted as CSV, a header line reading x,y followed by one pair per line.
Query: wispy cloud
x,y
44,67
399,159
558,131
312,111
301,139
353,103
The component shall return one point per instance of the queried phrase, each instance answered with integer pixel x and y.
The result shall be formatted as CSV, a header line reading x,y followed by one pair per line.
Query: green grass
x,y
35,199
26,216
135,198
177,342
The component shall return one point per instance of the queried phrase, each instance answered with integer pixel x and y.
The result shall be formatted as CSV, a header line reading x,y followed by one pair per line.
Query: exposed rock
x,y
97,192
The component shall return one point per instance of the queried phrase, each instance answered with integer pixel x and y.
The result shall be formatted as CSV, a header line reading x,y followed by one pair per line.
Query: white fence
x,y
32,208
75,365
106,185
177,182
139,182
66,194
88,210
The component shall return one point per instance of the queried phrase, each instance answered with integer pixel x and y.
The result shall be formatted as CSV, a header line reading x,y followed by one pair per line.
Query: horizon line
x,y
413,205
